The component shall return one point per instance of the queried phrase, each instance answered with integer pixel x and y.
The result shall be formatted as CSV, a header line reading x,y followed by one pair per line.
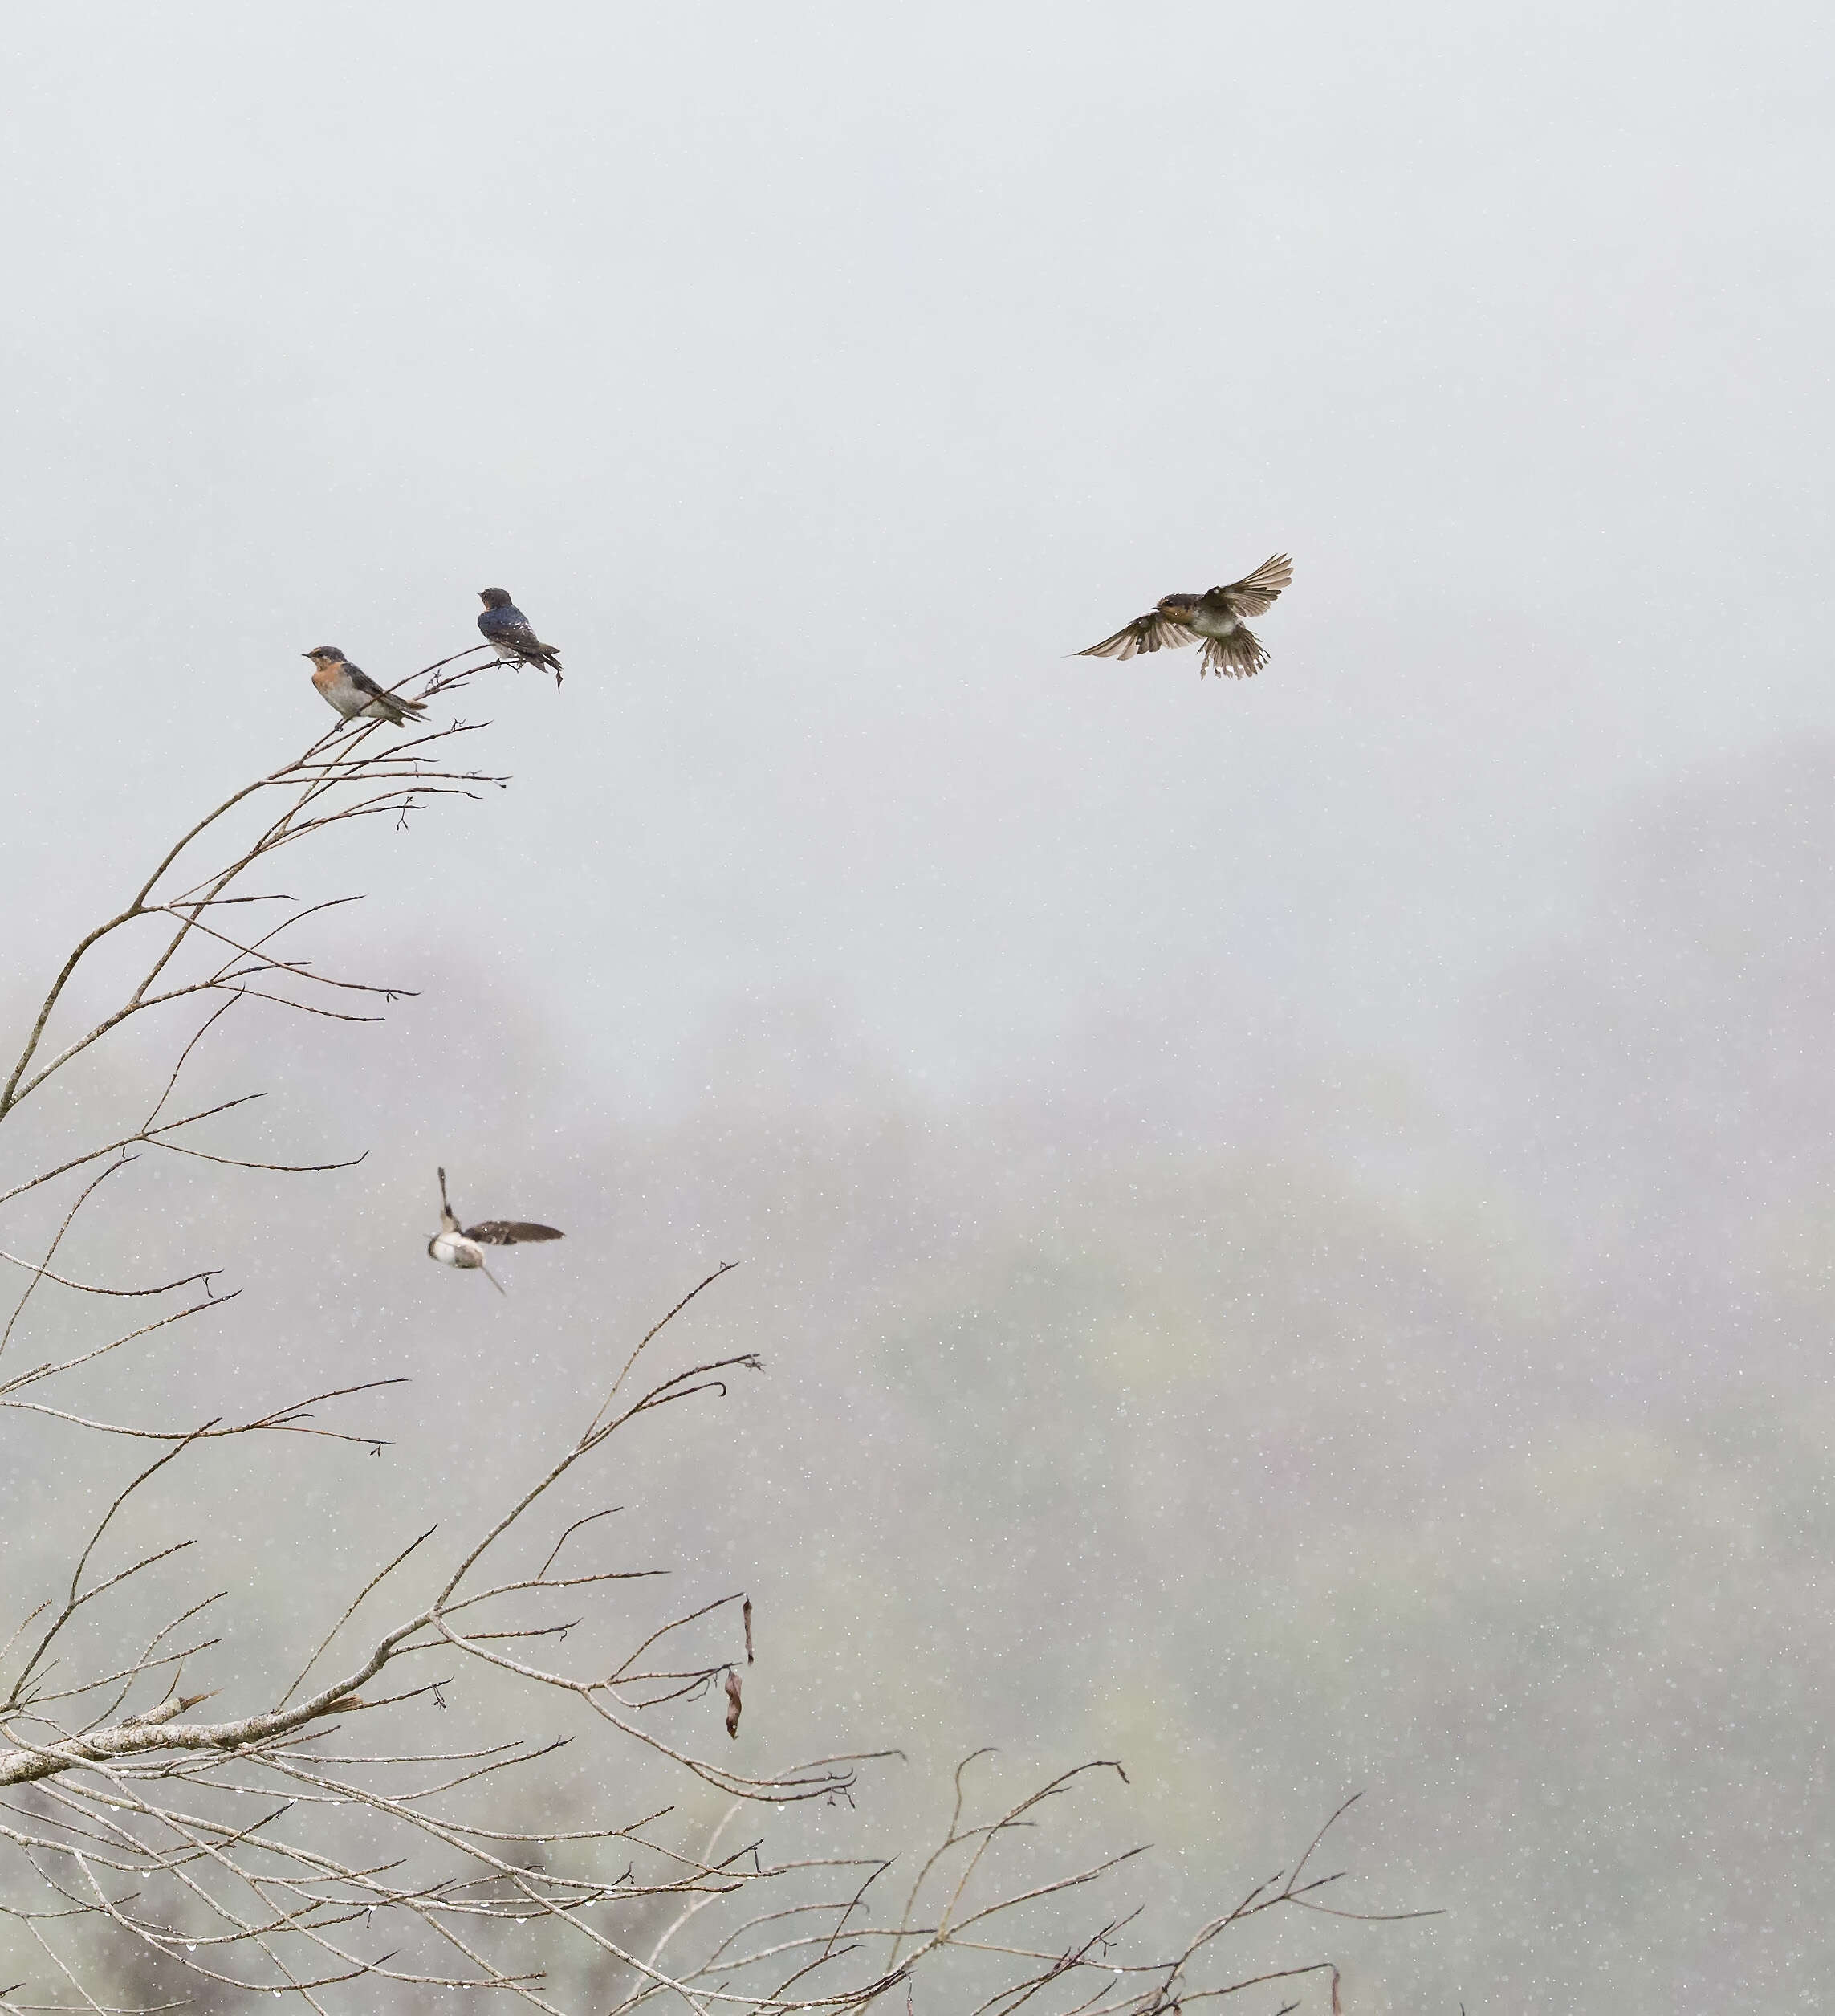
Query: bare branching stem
x,y
244,1853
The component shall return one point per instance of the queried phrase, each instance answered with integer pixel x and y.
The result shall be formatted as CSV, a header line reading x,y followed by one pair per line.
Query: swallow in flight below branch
x,y
510,632
1217,616
352,691
453,1248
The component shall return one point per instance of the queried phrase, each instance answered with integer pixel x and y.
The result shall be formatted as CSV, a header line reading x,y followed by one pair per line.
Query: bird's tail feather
x,y
1239,656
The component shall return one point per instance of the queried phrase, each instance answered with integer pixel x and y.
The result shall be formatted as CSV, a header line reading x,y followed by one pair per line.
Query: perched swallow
x,y
353,692
513,636
1230,646
453,1248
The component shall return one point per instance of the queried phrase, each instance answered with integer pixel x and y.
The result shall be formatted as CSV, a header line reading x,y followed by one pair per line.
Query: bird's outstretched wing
x,y
1153,632
510,1231
1257,592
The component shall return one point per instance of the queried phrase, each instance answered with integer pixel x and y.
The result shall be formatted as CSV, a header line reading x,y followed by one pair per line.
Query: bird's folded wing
x,y
1149,632
510,1231
519,638
362,682
1257,592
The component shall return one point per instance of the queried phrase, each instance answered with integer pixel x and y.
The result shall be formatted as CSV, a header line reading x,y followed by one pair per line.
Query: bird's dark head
x,y
1178,605
324,654
495,598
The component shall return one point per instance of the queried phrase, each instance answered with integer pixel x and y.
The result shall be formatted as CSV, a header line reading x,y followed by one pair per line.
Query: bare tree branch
x,y
245,1853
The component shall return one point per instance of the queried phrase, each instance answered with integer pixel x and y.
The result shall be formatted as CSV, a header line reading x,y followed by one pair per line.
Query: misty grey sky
x,y
820,377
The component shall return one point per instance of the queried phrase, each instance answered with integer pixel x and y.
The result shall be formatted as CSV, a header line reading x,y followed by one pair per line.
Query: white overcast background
x,y
820,378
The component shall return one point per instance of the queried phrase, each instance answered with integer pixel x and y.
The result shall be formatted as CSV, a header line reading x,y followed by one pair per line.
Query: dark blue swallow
x,y
510,631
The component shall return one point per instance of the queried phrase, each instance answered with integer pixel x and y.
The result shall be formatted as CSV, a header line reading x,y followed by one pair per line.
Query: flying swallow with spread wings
x,y
454,1248
353,692
511,634
1217,617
